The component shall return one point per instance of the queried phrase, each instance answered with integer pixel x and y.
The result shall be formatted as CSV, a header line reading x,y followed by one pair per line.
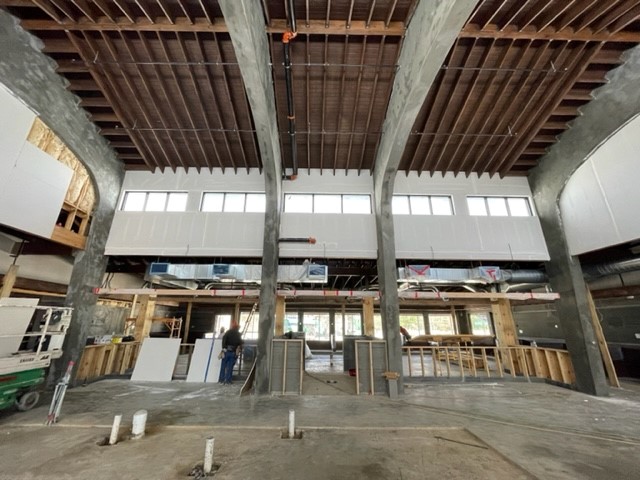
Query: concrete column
x,y
246,25
31,77
433,29
614,105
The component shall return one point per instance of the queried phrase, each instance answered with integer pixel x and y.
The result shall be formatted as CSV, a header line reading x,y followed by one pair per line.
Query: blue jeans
x,y
226,368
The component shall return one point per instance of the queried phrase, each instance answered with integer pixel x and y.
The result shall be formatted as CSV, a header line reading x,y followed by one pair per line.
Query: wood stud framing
x,y
160,79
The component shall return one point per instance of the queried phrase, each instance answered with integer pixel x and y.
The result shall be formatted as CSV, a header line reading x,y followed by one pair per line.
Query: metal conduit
x,y
291,116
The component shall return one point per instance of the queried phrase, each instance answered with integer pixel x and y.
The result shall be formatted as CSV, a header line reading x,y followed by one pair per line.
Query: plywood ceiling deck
x,y
161,80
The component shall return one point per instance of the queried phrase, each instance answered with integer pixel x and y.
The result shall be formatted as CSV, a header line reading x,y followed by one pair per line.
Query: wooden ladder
x,y
249,318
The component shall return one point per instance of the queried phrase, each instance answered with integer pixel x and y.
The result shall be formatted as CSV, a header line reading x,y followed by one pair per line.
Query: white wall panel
x,y
599,205
32,184
15,122
350,236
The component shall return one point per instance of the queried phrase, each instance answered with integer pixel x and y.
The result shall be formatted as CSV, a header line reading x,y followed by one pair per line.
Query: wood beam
x,y
95,102
187,323
104,117
145,317
280,310
504,324
367,317
567,34
8,281
182,24
320,27
602,343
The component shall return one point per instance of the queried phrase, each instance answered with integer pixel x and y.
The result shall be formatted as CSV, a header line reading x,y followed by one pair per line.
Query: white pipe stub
x,y
115,429
208,455
139,424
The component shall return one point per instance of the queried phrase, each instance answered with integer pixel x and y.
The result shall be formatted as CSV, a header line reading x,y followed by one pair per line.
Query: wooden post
x,y
187,323
9,281
280,309
602,343
236,315
133,305
145,316
367,317
504,324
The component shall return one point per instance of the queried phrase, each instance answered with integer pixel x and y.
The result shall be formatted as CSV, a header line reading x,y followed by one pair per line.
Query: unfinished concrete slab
x,y
546,431
248,453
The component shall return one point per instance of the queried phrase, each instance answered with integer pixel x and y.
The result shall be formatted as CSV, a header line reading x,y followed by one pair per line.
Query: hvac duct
x,y
524,276
611,268
222,272
479,275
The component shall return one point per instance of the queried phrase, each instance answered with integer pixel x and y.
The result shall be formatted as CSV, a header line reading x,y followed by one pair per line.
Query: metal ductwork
x,y
524,276
234,273
10,244
479,275
611,268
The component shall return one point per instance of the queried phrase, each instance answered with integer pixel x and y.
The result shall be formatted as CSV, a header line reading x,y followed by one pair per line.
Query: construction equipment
x,y
30,337
58,395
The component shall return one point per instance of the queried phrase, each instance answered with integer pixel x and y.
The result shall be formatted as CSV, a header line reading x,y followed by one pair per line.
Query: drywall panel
x,y
46,180
15,316
348,236
48,268
205,364
156,360
599,203
15,123
186,234
25,168
193,233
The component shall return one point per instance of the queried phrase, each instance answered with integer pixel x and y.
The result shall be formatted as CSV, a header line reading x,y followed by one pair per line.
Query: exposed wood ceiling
x,y
160,79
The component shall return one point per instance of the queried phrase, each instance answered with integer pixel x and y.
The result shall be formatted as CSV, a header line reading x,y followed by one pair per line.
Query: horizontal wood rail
x,y
489,362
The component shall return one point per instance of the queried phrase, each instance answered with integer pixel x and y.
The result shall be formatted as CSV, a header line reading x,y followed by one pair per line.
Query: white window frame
x,y
506,199
412,201
145,203
223,206
290,200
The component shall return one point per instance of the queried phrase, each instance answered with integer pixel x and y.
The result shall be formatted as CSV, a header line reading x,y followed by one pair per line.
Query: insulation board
x,y
157,360
202,353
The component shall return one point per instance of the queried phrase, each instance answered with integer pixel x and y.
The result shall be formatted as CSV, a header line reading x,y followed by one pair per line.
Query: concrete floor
x,y
470,431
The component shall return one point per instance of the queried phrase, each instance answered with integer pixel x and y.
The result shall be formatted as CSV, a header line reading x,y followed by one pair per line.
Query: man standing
x,y
231,346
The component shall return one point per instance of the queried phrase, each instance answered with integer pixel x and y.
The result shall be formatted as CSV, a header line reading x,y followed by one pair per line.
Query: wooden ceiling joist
x,y
549,33
161,77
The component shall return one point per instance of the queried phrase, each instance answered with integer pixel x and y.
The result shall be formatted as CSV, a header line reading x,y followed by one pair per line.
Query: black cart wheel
x,y
27,401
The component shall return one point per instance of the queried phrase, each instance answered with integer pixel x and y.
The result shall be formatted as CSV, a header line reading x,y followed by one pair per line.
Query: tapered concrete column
x,y
31,77
433,29
247,30
614,105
